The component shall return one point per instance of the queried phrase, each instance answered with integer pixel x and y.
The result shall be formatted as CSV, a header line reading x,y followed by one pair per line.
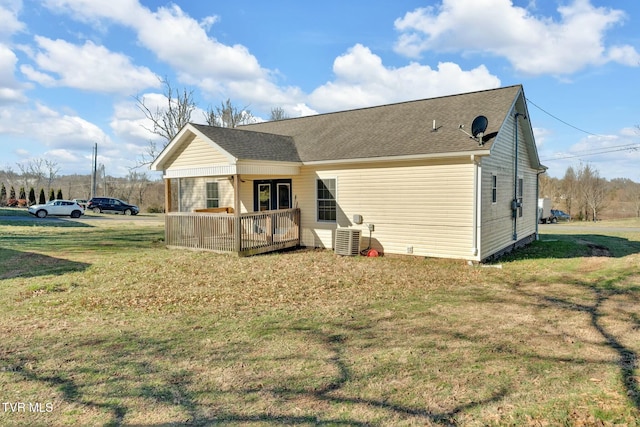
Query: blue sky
x,y
70,69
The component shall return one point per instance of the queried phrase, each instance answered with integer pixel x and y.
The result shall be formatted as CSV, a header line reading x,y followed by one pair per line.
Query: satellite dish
x,y
479,125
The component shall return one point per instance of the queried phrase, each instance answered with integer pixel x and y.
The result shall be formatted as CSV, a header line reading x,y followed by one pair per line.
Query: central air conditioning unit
x,y
347,241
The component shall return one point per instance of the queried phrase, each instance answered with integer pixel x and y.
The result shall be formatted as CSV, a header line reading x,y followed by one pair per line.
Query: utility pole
x,y
94,171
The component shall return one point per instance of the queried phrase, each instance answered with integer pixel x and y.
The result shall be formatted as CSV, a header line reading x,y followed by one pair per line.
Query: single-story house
x,y
454,177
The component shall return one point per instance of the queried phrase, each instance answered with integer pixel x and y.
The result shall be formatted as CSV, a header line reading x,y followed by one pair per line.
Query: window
x,y
494,188
264,197
213,198
284,195
271,194
326,195
520,195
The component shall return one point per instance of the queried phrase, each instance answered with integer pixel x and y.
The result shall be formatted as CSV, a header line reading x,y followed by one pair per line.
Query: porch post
x,y
167,195
236,212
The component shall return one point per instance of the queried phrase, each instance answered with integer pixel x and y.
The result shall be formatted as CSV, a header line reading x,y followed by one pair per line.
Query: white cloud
x,y
10,89
86,67
541,135
614,156
173,36
631,132
532,44
61,155
67,139
182,42
625,55
9,18
363,80
232,71
129,123
52,129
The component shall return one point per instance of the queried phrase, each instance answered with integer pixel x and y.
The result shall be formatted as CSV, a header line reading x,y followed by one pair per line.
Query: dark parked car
x,y
560,215
111,205
81,202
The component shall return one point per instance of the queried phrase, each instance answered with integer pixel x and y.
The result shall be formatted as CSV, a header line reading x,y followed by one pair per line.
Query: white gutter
x,y
477,199
400,158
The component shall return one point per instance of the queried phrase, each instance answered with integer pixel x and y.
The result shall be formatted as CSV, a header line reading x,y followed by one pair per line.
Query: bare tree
x,y
133,187
569,188
548,186
32,172
635,198
228,115
278,113
593,189
52,170
168,120
35,171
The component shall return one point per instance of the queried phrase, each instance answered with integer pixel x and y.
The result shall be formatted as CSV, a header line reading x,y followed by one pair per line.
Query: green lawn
x,y
101,325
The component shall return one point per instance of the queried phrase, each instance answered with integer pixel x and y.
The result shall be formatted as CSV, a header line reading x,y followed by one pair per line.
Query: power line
x,y
628,147
613,149
560,120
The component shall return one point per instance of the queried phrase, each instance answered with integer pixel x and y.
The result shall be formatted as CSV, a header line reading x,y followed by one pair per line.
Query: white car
x,y
57,207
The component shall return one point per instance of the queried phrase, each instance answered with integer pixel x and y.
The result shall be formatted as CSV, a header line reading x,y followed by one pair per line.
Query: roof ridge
x,y
390,104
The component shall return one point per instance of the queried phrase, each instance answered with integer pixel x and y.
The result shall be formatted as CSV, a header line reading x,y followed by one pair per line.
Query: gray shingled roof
x,y
252,145
390,130
403,129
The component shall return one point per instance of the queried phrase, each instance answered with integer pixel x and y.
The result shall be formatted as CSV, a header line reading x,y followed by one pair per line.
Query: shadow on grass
x,y
22,219
575,246
28,264
133,367
97,240
600,293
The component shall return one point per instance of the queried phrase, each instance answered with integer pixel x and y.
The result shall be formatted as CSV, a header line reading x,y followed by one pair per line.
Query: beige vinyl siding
x,y
196,153
427,206
497,221
193,192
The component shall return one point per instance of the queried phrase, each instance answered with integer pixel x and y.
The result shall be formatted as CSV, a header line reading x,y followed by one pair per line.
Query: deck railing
x,y
258,232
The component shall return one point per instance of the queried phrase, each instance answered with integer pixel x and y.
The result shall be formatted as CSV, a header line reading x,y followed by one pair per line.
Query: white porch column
x,y
236,212
167,195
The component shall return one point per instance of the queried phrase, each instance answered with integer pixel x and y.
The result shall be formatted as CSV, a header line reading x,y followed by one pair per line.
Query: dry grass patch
x,y
145,336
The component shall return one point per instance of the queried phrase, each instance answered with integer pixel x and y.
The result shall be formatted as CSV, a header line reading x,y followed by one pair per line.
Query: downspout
x,y
514,202
537,209
475,251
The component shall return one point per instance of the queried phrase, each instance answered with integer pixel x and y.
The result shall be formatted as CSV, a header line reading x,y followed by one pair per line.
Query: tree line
x,y
586,196
136,188
20,199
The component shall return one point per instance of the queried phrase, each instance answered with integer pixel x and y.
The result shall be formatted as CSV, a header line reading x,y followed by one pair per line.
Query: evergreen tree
x,y
52,195
59,194
12,193
3,195
42,199
23,194
32,196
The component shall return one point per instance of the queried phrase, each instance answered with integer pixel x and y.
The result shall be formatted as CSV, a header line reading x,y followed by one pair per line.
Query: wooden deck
x,y
249,234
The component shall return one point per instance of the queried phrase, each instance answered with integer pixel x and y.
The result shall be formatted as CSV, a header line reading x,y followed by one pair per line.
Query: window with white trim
x,y
520,195
212,196
494,188
326,199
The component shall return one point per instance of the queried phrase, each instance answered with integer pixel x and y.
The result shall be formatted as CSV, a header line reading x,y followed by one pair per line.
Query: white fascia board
x,y
459,154
198,171
265,167
158,163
